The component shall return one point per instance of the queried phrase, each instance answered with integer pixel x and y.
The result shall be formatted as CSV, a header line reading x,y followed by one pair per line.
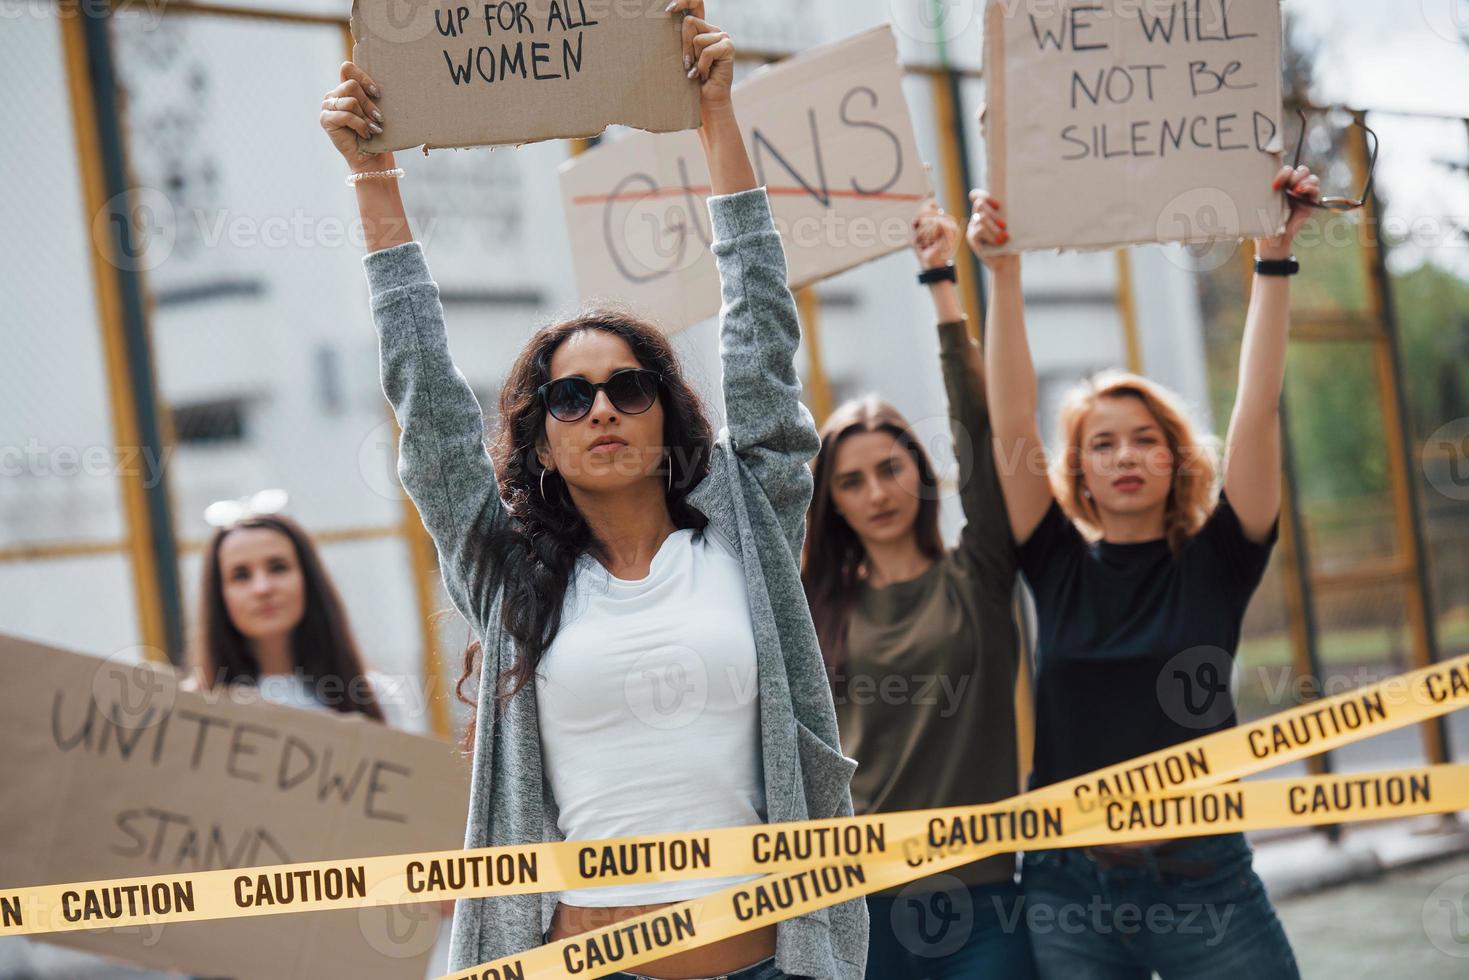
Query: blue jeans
x,y
764,970
1090,922
954,933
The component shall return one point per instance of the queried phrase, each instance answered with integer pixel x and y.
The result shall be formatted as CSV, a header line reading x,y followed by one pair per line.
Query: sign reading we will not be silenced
x,y
830,137
110,770
496,72
1116,122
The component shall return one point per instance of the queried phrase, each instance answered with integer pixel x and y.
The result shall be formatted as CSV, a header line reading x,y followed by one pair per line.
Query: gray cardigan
x,y
756,494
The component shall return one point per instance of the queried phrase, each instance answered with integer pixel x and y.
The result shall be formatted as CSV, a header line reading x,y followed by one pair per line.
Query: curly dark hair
x,y
531,555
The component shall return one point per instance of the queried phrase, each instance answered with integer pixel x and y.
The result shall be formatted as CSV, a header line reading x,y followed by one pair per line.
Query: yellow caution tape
x,y
1175,792
1215,810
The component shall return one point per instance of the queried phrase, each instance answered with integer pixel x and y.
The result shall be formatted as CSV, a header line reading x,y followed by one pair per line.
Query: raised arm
x,y
766,423
1020,455
985,539
442,460
1252,463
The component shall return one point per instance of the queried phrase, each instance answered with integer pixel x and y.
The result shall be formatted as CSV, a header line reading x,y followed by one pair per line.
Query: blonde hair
x,y
1192,496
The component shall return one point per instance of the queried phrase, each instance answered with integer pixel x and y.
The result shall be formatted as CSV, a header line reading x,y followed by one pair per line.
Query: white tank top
x,y
649,708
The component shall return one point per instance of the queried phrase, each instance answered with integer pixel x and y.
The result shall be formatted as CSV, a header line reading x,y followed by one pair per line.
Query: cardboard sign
x,y
111,770
829,135
494,72
1116,122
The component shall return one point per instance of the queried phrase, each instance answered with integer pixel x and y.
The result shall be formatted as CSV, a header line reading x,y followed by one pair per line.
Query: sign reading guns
x,y
831,139
1116,122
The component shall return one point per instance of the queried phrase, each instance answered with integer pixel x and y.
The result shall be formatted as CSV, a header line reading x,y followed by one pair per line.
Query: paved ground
x,y
1405,924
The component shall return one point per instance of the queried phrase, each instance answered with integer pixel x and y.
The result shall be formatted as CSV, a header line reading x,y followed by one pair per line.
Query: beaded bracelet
x,y
396,173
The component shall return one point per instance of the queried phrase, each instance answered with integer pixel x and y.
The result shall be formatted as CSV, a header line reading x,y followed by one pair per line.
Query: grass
x,y
1361,645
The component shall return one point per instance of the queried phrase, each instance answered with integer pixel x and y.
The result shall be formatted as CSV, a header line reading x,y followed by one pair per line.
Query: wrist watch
x,y
944,273
1277,267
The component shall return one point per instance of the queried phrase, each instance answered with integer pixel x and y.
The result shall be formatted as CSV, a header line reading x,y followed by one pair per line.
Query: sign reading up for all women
x,y
830,137
477,73
1115,122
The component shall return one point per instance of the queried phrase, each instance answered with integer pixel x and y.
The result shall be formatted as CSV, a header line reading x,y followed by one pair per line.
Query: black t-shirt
x,y
1136,643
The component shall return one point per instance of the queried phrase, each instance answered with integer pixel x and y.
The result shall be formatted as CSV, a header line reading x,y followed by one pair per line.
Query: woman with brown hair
x,y
648,660
920,643
1141,577
270,618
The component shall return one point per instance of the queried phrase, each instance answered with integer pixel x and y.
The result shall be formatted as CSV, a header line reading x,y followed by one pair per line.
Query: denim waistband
x,y
742,973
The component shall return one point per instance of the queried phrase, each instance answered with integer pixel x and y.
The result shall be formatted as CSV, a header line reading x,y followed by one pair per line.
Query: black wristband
x,y
1277,267
944,273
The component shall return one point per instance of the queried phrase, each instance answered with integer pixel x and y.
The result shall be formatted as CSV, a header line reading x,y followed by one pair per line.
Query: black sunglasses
x,y
1336,203
631,391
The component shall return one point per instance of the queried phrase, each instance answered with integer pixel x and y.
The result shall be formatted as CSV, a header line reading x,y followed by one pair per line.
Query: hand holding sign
x,y
708,54
350,112
988,231
935,236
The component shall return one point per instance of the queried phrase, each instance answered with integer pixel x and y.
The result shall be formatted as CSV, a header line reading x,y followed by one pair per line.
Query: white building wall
x,y
259,297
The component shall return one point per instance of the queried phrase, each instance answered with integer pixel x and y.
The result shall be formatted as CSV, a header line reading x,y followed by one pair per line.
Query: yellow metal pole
x,y
121,396
1295,560
946,124
422,558
1416,586
818,388
1132,344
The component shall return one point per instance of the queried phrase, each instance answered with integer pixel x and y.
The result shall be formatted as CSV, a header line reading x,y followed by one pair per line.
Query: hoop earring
x,y
670,474
543,484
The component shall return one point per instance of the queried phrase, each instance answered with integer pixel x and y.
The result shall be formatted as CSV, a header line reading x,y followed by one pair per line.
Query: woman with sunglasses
x,y
649,663
1141,578
921,644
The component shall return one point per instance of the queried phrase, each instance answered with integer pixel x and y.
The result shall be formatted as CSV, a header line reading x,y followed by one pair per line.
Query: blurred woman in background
x,y
891,602
269,616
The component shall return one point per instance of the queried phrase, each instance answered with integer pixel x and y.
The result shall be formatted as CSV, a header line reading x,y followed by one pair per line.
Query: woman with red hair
x,y
1141,578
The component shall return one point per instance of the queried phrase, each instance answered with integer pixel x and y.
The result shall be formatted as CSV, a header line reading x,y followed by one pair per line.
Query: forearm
x,y
380,205
1009,371
730,170
1263,351
1252,465
946,306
